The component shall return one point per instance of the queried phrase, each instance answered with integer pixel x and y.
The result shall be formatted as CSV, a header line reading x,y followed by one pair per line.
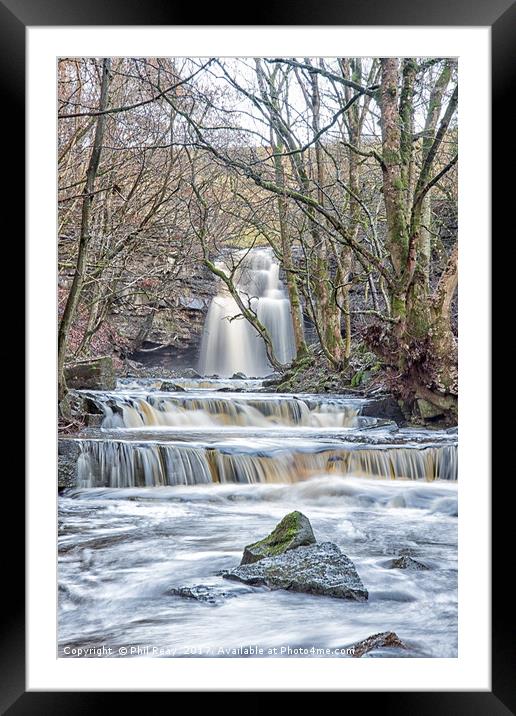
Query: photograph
x,y
257,372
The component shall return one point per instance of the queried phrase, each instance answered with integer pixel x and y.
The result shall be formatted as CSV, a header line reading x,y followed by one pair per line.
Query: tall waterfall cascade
x,y
230,344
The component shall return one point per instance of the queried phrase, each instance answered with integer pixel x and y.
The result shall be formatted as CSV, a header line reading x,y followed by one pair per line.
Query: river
x,y
175,483
181,475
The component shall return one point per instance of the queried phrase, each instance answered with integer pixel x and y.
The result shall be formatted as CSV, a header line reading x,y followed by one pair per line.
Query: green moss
x,y
284,532
293,531
399,308
357,378
285,387
391,156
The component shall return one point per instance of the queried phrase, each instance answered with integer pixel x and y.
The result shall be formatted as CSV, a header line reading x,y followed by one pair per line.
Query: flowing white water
x,y
230,344
121,551
197,437
131,463
209,409
173,486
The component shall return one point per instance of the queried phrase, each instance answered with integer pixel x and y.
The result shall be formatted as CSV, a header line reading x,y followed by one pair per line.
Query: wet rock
x,y
445,505
239,376
171,387
67,456
65,593
189,373
133,365
293,531
382,640
407,562
386,407
320,569
94,420
95,374
201,593
79,410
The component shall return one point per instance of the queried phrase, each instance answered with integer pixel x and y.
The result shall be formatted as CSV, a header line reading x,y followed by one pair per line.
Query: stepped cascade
x,y
230,344
151,439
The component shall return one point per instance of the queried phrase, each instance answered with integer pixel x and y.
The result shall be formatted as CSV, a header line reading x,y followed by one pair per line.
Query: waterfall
x,y
230,344
137,410
117,463
159,438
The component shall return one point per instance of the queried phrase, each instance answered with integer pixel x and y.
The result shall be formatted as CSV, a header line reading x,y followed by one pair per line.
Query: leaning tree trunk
x,y
84,240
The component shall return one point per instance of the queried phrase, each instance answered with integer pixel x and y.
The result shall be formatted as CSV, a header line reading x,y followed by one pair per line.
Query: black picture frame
x,y
15,16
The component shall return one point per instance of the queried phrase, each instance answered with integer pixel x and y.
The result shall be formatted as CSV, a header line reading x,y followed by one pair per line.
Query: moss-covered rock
x,y
170,387
293,531
94,373
428,410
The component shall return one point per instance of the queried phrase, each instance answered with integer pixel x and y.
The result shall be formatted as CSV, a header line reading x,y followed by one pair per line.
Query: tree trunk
x,y
444,343
421,346
393,187
327,294
84,240
286,249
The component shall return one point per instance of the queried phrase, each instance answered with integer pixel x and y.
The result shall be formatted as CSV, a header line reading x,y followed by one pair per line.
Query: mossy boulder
x,y
189,373
428,410
93,374
293,531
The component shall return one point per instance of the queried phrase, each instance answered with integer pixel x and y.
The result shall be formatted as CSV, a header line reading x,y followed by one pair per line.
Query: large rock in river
x,y
293,531
314,569
95,374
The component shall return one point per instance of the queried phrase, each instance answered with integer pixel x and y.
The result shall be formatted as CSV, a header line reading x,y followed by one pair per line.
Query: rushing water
x,y
122,550
173,485
230,344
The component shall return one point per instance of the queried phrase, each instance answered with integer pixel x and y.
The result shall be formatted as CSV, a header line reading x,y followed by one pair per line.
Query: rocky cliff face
x,y
168,332
67,456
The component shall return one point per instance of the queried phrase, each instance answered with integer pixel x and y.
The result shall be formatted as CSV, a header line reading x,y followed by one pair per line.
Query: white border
x,y
471,670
